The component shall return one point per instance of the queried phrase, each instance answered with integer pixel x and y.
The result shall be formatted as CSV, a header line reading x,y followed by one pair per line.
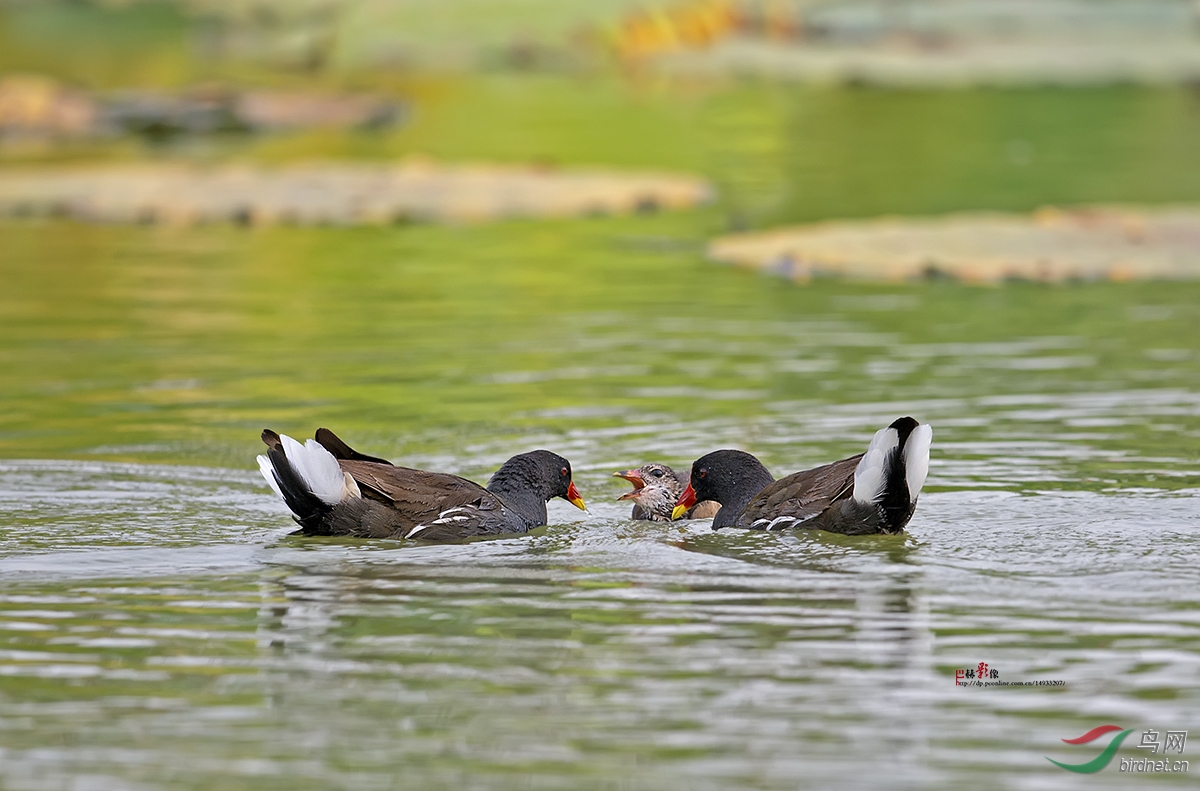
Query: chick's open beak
x,y
573,497
634,477
686,500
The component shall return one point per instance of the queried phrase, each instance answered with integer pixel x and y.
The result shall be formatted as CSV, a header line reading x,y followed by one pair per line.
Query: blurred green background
x,y
171,343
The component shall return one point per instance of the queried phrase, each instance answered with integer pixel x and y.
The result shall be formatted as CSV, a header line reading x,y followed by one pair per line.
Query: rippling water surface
x,y
160,628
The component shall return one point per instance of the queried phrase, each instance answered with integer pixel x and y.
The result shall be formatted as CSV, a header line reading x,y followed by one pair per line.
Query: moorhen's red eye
x,y
563,471
702,473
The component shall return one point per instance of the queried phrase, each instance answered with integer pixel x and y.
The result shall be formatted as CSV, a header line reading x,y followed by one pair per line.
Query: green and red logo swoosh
x,y
1101,760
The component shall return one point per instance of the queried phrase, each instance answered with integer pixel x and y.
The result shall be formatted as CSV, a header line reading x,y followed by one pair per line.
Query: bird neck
x,y
659,500
521,495
738,493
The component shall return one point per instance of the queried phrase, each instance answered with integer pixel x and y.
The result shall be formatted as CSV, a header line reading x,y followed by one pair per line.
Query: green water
x,y
159,629
175,346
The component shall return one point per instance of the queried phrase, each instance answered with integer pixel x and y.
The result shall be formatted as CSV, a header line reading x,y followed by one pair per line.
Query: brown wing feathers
x,y
418,494
340,450
803,494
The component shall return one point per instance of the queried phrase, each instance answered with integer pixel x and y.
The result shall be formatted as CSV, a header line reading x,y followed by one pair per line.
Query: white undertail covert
x,y
870,476
316,468
916,458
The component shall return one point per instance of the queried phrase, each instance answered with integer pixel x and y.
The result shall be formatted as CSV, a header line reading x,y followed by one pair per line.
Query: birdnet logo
x,y
1174,742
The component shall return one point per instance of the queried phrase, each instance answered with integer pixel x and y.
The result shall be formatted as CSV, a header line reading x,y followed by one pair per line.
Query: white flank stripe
x,y
870,477
779,519
916,458
318,469
416,530
268,472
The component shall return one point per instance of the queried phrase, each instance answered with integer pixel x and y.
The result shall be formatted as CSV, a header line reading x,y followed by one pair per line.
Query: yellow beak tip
x,y
578,503
678,511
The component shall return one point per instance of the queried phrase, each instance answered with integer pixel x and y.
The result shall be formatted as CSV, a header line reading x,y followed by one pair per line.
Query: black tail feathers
x,y
307,509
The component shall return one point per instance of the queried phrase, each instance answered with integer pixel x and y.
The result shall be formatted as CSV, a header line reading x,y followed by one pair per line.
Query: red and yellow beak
x,y
573,497
634,477
687,499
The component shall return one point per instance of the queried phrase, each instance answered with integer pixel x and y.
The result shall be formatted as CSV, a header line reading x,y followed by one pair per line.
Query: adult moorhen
x,y
655,490
332,489
873,492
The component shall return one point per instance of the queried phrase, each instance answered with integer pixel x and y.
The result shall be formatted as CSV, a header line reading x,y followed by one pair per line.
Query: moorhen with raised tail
x,y
873,492
332,489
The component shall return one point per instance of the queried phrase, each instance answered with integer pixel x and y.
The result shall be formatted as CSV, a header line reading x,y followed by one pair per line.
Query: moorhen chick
x,y
873,492
656,487
333,490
